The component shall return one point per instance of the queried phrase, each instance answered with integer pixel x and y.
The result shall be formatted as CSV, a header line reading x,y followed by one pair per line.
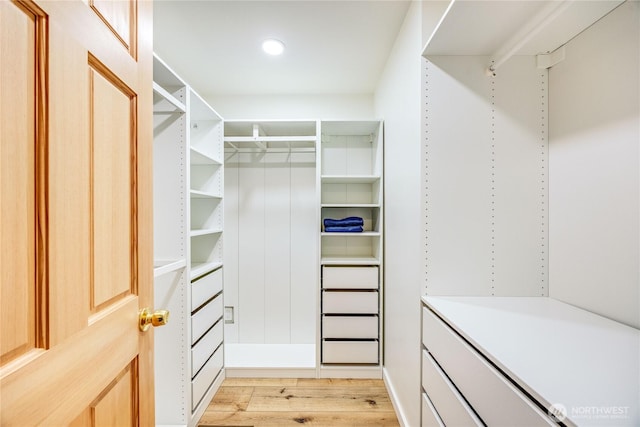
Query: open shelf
x,y
205,231
200,158
196,194
349,179
161,267
350,260
200,268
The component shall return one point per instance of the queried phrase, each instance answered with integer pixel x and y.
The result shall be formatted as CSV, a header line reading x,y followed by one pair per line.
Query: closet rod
x,y
527,32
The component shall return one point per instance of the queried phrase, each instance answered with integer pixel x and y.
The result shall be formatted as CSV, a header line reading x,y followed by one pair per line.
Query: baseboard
x,y
270,372
347,371
402,419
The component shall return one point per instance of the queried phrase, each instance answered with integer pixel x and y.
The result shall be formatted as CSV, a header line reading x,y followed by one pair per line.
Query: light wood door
x,y
76,249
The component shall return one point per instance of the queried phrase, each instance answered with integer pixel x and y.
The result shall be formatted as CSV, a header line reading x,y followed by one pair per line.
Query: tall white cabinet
x,y
188,225
351,185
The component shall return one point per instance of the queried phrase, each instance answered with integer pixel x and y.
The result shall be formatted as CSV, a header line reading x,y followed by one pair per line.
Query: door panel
x,y
76,213
18,108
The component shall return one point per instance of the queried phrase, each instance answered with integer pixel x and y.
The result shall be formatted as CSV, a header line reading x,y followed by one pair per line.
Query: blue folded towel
x,y
344,229
344,222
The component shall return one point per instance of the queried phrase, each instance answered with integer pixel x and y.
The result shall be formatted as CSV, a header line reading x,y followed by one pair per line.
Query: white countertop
x,y
558,353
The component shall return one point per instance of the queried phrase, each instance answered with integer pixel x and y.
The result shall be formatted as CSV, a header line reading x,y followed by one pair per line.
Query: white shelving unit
x,y
188,223
351,177
271,263
491,317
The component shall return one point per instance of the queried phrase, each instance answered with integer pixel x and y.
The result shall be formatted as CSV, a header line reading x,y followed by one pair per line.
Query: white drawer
x,y
203,289
350,327
492,395
340,302
350,352
204,318
205,347
447,401
350,277
430,417
201,383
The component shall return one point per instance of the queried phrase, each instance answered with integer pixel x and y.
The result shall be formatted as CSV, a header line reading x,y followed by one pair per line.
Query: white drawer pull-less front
x,y
430,417
451,406
350,352
204,318
339,302
350,277
203,289
350,327
480,383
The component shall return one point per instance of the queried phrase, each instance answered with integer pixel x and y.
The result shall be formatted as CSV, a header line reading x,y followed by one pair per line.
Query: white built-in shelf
x,y
520,27
161,267
557,353
350,260
205,231
200,158
349,179
342,234
199,269
196,194
350,205
161,93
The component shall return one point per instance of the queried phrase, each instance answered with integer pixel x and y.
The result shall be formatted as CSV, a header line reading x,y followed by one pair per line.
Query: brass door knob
x,y
148,318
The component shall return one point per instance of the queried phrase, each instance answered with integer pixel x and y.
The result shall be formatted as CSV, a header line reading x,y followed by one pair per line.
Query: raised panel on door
x,y
76,152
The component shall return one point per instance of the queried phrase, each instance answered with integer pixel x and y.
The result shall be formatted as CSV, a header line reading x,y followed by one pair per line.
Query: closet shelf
x,y
205,231
200,268
350,205
513,28
161,267
279,144
200,158
350,179
350,260
361,234
161,93
196,194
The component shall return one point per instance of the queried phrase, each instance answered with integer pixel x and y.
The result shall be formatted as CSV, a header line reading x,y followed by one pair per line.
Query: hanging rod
x,y
527,32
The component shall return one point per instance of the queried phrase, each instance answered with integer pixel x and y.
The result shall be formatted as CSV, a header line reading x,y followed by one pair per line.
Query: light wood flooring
x,y
269,402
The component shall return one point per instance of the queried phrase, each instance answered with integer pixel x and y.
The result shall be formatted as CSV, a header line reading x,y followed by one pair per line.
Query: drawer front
x,y
447,401
350,302
205,288
350,352
205,347
201,383
475,377
204,318
350,327
430,417
350,277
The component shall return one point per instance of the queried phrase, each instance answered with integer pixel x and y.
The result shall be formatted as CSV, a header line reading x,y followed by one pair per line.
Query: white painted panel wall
x,y
594,163
485,157
397,101
304,244
271,276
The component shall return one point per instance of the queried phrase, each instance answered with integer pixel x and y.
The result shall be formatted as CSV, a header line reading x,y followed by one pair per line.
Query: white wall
x,y
594,163
485,151
291,107
271,247
397,100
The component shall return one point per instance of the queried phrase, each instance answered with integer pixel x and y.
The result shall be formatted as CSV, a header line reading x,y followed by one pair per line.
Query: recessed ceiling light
x,y
273,46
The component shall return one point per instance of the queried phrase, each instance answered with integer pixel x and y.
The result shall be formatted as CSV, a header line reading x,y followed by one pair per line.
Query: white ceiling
x,y
332,47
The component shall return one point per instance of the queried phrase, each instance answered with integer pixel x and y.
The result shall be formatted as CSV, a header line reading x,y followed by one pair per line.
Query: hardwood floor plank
x,y
331,399
282,402
229,399
254,382
306,418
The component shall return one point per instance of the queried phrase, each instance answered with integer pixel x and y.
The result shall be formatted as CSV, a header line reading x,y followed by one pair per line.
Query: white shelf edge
x,y
197,194
180,107
200,268
349,260
202,158
349,179
205,231
348,234
161,267
350,205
